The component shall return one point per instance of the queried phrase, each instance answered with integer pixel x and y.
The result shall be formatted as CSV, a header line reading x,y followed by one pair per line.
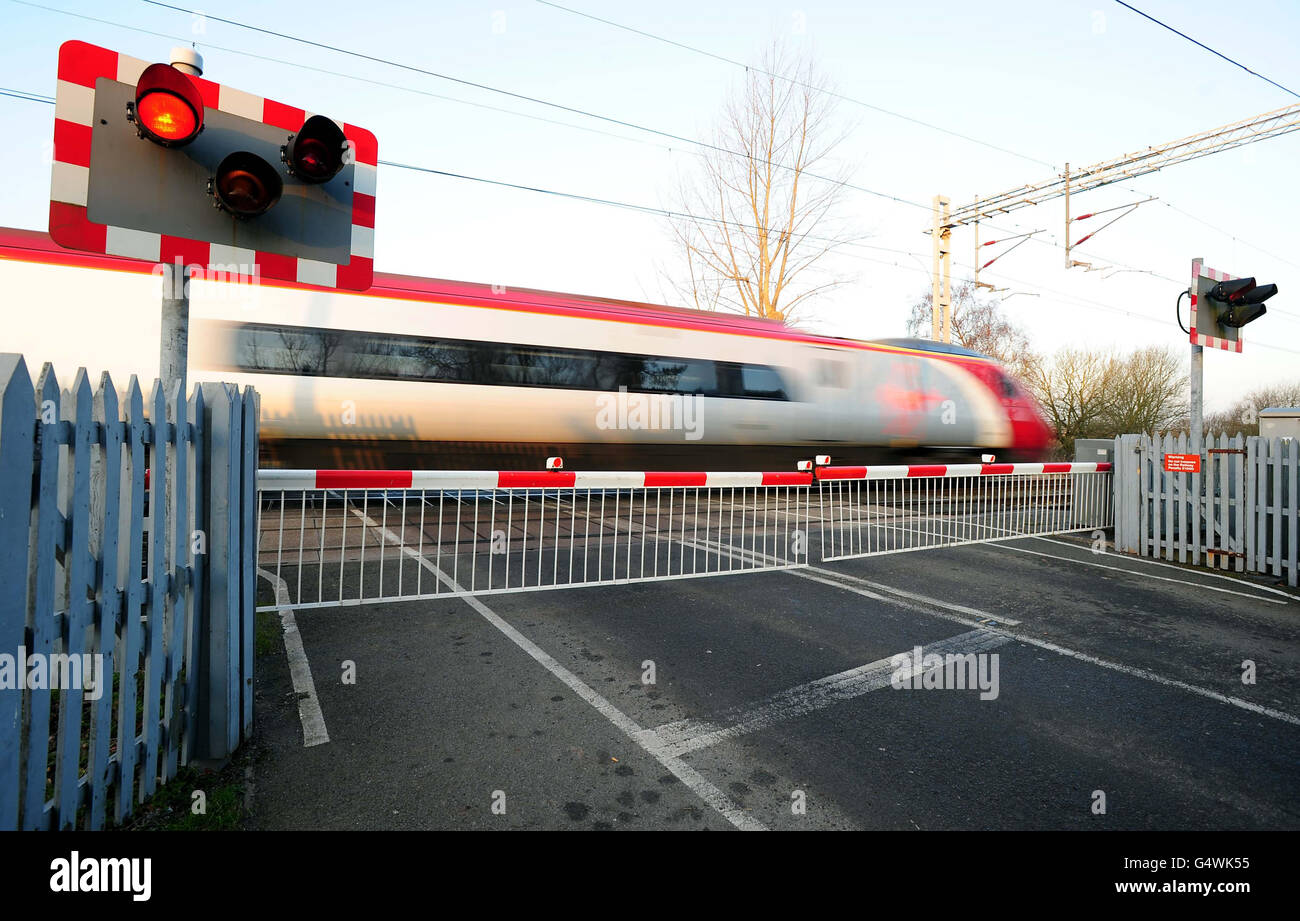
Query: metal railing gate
x,y
334,537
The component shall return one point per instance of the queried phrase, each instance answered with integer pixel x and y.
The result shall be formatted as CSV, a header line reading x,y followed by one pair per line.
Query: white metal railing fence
x,y
329,538
121,531
871,510
344,537
1239,511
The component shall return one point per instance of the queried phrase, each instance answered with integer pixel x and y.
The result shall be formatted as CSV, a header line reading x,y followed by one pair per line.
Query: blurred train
x,y
425,373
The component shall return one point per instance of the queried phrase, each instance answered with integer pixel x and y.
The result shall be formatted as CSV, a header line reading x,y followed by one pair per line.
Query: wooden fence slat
x,y
1170,511
1242,530
17,435
1181,485
42,576
178,534
1275,503
78,615
1144,496
194,598
1250,504
132,529
106,482
156,621
1292,503
1225,501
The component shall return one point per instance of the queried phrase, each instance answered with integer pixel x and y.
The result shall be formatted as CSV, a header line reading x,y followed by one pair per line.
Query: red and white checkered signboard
x,y
80,66
1200,273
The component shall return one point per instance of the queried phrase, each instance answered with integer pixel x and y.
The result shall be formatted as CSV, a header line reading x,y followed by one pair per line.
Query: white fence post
x,y
17,434
220,659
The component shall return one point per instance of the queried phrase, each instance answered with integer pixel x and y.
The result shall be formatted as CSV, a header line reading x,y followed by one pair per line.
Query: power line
x,y
19,94
487,107
298,65
574,196
800,83
532,99
630,206
33,97
480,105
26,96
710,54
664,212
1236,63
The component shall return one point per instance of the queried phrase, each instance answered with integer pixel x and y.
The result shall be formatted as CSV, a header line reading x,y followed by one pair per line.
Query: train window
x,y
679,375
761,382
318,352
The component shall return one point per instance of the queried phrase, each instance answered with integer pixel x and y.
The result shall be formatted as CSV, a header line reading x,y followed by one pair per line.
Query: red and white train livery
x,y
425,373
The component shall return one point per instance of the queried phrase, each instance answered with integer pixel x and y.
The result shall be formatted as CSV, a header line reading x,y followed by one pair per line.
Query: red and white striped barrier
x,y
618,479
515,479
952,470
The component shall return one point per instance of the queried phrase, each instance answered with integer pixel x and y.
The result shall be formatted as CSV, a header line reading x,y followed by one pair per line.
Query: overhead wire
x,y
35,97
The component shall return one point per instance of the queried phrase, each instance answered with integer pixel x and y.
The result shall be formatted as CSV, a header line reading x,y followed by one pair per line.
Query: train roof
x,y
37,246
930,345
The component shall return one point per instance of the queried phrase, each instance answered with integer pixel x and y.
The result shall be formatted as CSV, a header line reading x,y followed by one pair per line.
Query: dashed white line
x,y
309,711
690,735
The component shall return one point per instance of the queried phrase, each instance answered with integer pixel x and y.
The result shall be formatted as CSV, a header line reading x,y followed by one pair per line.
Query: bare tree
x,y
1071,389
755,223
1243,416
1147,392
978,323
1096,394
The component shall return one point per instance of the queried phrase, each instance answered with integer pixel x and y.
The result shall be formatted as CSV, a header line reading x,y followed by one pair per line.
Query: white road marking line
x,y
1195,572
693,779
921,600
309,711
690,735
918,598
1143,575
1091,660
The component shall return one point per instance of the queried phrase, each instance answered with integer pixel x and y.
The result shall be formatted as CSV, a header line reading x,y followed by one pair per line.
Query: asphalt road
x,y
1119,682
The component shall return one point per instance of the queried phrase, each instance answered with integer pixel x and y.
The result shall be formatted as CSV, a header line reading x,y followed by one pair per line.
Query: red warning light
x,y
246,185
168,106
316,153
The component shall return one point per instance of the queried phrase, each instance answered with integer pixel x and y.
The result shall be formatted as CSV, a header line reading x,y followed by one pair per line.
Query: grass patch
x,y
171,808
266,633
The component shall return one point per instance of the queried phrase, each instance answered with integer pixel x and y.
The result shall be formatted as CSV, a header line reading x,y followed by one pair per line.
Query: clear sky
x,y
1070,80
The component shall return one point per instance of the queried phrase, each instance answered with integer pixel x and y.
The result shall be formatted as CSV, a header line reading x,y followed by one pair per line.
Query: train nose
x,y
1030,433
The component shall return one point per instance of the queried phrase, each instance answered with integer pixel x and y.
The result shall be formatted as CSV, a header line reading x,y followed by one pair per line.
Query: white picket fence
x,y
122,541
1239,512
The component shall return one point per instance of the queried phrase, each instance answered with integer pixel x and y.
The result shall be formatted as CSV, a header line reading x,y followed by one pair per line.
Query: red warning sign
x,y
1183,463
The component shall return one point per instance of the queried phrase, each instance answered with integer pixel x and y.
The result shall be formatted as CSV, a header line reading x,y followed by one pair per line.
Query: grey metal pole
x,y
1198,395
174,338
